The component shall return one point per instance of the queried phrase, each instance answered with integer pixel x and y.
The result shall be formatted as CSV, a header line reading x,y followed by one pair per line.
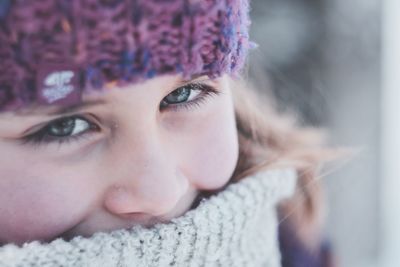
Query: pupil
x,y
62,128
178,96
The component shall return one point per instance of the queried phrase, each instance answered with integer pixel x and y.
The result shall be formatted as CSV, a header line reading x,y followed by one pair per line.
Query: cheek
x,y
38,206
215,161
211,152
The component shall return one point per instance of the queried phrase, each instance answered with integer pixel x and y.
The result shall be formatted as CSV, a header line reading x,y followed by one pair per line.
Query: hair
x,y
269,140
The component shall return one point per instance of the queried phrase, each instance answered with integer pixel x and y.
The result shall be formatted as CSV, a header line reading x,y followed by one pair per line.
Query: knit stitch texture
x,y
236,227
97,44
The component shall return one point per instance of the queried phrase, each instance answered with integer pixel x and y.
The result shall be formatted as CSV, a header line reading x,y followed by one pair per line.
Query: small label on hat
x,y
58,83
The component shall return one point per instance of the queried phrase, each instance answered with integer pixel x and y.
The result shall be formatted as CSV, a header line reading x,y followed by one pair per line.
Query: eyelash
x,y
206,91
40,137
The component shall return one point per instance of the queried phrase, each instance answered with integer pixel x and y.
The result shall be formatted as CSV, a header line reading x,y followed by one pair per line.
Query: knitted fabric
x,y
236,227
53,50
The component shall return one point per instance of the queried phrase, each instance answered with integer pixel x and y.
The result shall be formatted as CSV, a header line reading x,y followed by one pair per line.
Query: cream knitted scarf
x,y
236,227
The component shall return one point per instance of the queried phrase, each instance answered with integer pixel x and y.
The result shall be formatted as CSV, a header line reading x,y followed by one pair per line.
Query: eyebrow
x,y
196,78
76,107
62,109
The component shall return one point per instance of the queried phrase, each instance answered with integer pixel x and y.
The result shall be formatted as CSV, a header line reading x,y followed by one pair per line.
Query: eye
x,y
182,94
67,127
188,96
61,130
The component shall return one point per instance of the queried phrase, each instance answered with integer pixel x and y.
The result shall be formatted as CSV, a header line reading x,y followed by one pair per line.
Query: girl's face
x,y
132,156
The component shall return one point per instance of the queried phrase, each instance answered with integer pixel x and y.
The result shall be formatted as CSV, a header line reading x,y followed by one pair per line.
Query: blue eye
x,y
178,96
62,130
67,127
187,96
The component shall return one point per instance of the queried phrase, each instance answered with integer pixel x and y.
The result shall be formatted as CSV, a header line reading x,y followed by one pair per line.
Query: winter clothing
x,y
236,227
296,254
53,50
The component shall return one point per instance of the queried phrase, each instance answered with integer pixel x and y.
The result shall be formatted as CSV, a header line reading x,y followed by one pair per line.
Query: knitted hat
x,y
53,50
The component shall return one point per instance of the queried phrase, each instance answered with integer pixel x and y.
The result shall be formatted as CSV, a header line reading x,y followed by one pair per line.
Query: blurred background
x,y
335,62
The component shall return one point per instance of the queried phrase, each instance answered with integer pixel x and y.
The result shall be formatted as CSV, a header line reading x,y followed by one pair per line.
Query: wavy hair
x,y
270,140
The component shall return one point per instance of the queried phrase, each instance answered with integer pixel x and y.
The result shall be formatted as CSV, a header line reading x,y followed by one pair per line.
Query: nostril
x,y
119,201
150,195
130,205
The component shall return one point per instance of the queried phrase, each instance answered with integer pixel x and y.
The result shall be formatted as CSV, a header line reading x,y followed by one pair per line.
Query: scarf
x,y
235,227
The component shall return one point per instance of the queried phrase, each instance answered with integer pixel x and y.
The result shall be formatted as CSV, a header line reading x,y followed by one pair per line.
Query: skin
x,y
143,166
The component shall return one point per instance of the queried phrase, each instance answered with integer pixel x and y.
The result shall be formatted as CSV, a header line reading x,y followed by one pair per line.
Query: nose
x,y
145,179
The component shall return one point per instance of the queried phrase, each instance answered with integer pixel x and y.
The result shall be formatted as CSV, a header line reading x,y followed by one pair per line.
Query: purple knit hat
x,y
51,51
